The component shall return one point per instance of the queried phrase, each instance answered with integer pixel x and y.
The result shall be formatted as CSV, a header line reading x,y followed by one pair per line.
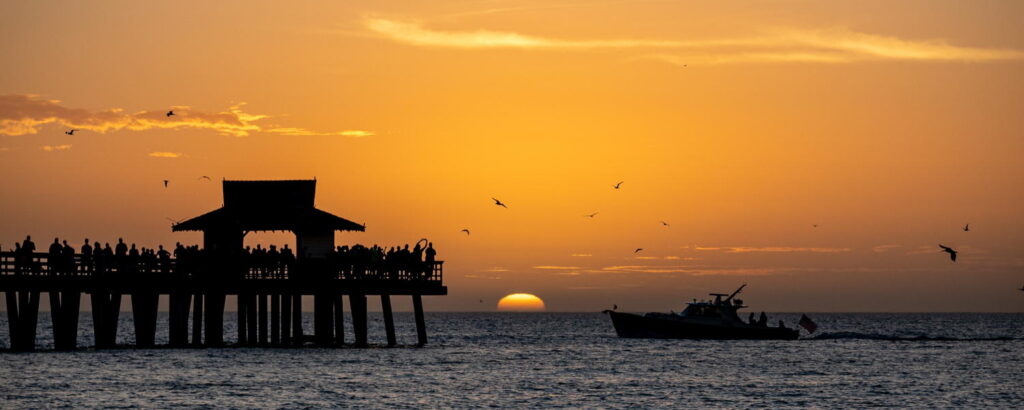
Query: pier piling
x,y
178,307
144,313
389,320
421,325
358,305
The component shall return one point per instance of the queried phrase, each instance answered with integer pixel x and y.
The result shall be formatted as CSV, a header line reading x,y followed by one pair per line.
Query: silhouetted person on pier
x,y
53,256
28,250
121,255
431,253
287,261
782,325
108,257
165,260
273,261
87,262
67,259
763,320
19,259
750,319
133,260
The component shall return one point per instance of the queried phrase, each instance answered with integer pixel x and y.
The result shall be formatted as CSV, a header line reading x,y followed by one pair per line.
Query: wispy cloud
x,y
773,249
785,249
52,148
836,45
884,248
581,255
4,149
162,154
552,267
22,114
688,270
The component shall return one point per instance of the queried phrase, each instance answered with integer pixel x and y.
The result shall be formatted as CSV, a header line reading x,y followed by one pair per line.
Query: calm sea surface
x,y
552,359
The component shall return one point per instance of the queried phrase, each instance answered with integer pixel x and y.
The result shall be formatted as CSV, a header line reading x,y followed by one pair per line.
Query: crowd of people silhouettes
x,y
344,262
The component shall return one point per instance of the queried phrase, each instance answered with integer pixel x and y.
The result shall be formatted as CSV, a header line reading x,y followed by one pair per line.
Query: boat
x,y
717,319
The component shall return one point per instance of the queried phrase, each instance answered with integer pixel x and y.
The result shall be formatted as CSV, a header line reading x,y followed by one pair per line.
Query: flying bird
x,y
638,250
170,113
591,215
664,223
950,251
166,182
205,177
967,227
616,186
615,307
70,132
466,231
815,225
498,203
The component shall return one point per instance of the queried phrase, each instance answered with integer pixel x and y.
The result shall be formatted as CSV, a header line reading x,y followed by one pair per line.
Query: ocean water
x,y
548,359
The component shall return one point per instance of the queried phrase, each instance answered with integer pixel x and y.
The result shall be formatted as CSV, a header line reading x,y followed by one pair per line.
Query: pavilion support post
x,y
389,320
262,301
197,320
339,320
215,318
64,317
323,319
286,319
358,304
421,325
297,319
144,312
275,321
252,317
22,319
241,322
178,318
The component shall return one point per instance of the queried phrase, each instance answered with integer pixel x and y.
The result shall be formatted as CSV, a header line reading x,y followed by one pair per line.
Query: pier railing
x,y
39,264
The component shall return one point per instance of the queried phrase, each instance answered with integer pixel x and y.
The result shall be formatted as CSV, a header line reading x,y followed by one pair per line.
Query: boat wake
x,y
895,338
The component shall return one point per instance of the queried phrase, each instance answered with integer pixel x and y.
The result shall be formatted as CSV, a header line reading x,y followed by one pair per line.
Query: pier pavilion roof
x,y
268,206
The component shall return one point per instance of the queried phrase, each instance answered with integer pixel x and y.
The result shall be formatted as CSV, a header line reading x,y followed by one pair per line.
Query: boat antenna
x,y
728,299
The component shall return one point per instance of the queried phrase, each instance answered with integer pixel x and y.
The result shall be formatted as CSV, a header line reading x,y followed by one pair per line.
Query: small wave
x,y
894,338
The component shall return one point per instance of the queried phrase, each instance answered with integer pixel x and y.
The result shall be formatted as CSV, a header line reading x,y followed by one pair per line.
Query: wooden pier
x,y
269,309
269,299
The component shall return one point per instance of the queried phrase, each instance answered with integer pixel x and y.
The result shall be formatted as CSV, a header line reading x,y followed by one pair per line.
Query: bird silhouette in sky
x,y
206,178
466,231
498,203
967,227
950,251
638,250
166,182
815,225
615,307
664,223
618,185
481,301
70,132
591,215
170,113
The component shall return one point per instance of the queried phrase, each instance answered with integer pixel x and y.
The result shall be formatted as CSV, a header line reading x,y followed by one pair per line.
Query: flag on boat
x,y
807,323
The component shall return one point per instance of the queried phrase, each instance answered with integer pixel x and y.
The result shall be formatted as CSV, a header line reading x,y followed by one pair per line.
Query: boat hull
x,y
629,325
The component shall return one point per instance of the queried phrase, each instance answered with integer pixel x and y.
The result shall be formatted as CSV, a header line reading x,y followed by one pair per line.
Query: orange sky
x,y
887,124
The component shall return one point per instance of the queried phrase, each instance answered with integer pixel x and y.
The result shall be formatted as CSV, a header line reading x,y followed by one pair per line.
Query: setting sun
x,y
521,302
